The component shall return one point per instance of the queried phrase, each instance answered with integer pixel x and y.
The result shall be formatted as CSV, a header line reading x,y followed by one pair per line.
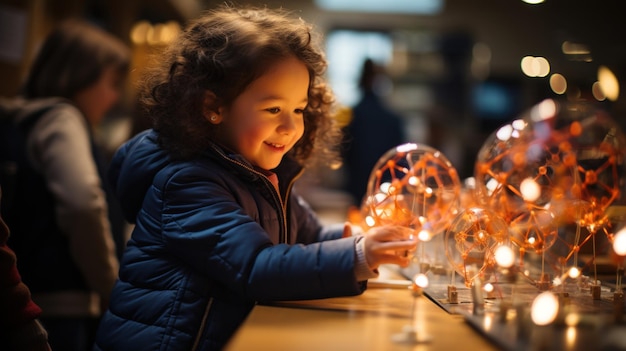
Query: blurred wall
x,y
24,24
433,69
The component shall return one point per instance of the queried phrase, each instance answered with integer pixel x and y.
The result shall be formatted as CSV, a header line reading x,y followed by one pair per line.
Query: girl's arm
x,y
205,226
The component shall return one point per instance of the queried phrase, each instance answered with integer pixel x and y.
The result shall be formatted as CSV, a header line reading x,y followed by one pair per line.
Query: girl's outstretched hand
x,y
389,245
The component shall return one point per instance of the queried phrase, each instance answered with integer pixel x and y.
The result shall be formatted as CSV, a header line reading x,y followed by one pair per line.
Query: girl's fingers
x,y
390,244
347,230
394,245
393,259
391,233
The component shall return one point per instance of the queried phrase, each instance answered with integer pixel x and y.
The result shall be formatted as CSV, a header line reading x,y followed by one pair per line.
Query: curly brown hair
x,y
222,52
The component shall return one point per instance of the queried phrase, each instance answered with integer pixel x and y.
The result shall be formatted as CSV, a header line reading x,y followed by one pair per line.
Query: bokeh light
x,y
544,308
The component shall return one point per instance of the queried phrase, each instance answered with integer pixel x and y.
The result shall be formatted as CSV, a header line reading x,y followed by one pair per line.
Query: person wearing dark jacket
x,y
239,108
373,130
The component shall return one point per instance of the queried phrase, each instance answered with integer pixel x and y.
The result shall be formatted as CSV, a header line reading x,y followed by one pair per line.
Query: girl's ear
x,y
209,108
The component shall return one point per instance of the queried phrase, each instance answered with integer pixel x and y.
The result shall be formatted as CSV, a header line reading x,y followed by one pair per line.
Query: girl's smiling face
x,y
266,120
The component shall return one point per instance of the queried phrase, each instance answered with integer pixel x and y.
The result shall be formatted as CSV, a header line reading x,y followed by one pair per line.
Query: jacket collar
x,y
287,171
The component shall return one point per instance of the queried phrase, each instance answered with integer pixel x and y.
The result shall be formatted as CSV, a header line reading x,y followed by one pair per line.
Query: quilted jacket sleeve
x,y
309,228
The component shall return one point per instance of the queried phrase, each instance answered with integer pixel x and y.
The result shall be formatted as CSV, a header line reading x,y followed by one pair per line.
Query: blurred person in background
x,y
373,130
57,205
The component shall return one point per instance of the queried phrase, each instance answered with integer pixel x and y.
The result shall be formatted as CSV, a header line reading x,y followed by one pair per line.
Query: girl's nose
x,y
288,123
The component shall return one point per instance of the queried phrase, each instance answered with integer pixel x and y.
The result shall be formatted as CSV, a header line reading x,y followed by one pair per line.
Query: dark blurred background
x,y
457,69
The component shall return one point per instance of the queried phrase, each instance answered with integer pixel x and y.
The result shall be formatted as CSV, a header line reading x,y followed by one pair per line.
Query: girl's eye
x,y
273,110
277,110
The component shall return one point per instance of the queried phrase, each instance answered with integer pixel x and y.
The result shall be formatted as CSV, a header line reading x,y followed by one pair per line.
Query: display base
x,y
411,336
586,316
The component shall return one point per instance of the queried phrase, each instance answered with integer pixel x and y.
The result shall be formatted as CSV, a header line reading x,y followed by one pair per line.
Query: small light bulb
x,y
504,256
421,280
574,272
530,189
619,242
424,235
544,308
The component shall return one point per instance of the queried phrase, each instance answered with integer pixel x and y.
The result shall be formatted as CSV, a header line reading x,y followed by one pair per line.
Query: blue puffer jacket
x,y
212,237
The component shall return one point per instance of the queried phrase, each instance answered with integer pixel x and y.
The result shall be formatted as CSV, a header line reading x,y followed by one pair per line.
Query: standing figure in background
x,y
373,130
56,205
240,108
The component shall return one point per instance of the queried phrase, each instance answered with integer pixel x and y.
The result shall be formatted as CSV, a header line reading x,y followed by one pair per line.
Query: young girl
x,y
239,107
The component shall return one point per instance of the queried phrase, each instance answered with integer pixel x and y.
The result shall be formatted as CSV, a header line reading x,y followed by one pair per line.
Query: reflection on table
x,y
375,320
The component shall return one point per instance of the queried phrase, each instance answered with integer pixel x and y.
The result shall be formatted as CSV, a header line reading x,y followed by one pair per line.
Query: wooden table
x,y
372,321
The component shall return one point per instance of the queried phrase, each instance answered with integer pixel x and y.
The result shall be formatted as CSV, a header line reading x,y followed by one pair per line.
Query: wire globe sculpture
x,y
559,164
471,241
412,185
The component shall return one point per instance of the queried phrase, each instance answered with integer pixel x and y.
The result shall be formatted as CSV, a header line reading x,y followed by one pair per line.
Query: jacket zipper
x,y
202,325
291,183
282,237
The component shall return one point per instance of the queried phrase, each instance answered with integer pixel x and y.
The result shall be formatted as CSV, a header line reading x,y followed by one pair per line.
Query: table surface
x,y
382,318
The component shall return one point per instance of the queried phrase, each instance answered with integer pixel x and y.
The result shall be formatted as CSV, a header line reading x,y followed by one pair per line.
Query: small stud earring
x,y
213,118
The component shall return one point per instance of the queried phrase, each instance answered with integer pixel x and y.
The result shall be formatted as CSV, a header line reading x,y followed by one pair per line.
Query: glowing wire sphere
x,y
517,171
471,242
413,185
555,154
560,163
